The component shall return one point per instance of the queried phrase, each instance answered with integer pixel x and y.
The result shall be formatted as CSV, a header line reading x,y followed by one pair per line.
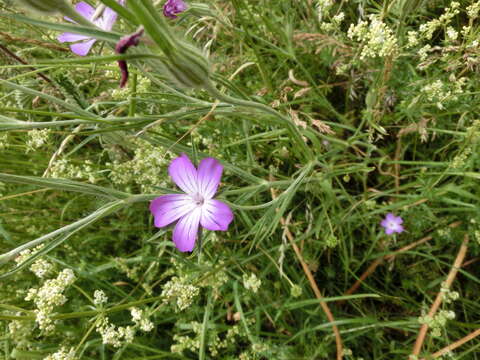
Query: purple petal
x,y
389,231
216,215
70,37
399,220
186,230
209,174
184,174
399,229
390,217
108,19
174,7
85,10
168,208
82,48
384,223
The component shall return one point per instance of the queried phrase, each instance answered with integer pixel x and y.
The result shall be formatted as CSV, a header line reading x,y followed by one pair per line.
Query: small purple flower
x,y
392,224
83,44
174,7
196,207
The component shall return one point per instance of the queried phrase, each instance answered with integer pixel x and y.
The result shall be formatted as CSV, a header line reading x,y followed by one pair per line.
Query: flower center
x,y
198,199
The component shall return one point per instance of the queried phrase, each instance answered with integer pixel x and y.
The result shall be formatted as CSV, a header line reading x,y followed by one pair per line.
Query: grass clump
x,y
326,116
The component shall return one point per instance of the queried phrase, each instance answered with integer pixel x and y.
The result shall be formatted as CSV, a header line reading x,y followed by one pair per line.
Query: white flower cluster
x,y
323,7
451,33
473,137
218,276
143,84
120,93
335,23
47,297
476,234
437,322
62,354
256,351
41,267
143,169
178,290
63,169
438,93
448,295
461,158
132,273
251,282
99,298
20,331
423,53
473,10
413,39
117,336
141,320
215,343
112,335
4,141
473,132
377,39
426,30
181,343
37,138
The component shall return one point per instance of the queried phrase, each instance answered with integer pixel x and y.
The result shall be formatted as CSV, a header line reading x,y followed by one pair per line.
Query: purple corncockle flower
x,y
174,7
83,44
392,224
194,208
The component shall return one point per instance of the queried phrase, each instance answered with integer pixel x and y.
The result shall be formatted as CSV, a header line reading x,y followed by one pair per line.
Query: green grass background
x,y
357,138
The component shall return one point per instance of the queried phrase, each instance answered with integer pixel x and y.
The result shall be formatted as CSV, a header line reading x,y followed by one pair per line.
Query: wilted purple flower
x,y
121,47
174,7
196,207
392,224
83,44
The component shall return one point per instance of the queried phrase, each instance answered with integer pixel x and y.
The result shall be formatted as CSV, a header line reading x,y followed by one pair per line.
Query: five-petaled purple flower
x,y
392,224
174,7
196,207
83,44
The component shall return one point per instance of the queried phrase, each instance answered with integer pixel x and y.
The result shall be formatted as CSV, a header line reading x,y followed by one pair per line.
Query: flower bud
x,y
121,48
174,7
45,6
188,66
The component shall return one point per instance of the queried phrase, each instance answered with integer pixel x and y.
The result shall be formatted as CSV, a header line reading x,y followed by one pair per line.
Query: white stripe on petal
x,y
184,174
168,208
216,215
209,174
186,231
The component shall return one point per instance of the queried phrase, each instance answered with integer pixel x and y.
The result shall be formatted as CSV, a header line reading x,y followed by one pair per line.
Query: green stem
x,y
133,93
203,335
102,212
285,121
200,244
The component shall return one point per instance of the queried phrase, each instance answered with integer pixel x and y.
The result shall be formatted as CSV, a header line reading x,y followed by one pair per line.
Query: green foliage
x,y
326,116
